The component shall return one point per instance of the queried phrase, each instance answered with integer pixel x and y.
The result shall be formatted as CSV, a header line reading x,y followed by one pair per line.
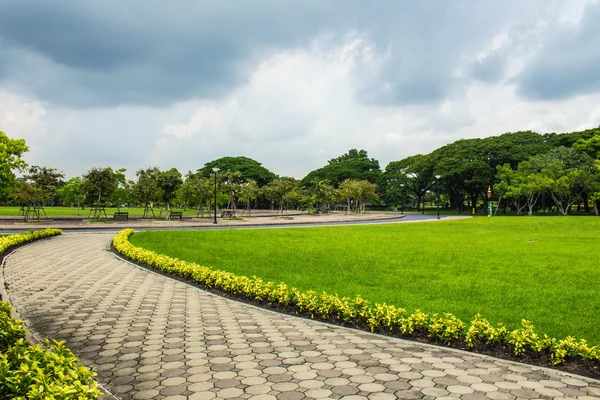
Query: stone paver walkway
x,y
150,337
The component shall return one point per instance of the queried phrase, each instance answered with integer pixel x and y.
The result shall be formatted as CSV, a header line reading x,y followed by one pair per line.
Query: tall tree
x,y
415,174
11,151
321,193
247,167
168,183
565,170
283,192
71,193
47,180
248,193
146,189
352,165
99,185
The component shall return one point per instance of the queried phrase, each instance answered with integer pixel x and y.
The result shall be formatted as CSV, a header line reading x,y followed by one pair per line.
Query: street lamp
x,y
437,192
215,170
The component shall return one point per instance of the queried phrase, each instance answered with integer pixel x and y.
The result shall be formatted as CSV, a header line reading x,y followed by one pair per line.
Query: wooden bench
x,y
121,216
228,214
175,215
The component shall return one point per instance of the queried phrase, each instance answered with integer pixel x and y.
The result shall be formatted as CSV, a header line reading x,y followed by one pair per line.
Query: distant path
x,y
263,222
150,337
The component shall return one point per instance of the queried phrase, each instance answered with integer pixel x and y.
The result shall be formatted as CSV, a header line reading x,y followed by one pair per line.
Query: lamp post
x,y
215,170
437,192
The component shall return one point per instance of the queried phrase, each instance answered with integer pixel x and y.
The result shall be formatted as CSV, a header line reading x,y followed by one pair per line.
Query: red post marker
x,y
489,192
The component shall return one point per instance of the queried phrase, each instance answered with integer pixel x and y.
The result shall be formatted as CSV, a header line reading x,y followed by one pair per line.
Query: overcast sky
x,y
291,84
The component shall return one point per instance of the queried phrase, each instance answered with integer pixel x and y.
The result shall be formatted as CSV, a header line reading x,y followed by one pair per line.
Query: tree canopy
x,y
11,151
355,164
247,167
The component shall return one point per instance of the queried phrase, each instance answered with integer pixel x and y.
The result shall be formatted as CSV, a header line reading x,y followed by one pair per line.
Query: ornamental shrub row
x,y
9,241
36,372
359,312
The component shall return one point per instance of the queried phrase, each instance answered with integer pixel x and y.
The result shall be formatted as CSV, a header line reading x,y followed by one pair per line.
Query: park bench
x,y
121,216
228,214
175,215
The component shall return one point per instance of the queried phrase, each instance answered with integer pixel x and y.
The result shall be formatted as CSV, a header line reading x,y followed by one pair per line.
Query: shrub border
x,y
9,244
523,345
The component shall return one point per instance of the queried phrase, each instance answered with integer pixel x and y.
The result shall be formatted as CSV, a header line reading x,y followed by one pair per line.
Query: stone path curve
x,y
150,337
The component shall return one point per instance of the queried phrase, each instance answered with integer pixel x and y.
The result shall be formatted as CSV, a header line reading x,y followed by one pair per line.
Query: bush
x,y
35,372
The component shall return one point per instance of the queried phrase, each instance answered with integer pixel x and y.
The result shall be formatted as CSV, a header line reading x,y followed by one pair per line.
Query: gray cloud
x,y
567,64
86,54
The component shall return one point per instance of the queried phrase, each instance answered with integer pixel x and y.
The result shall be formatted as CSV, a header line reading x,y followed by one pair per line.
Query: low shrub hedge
x,y
446,329
36,372
10,241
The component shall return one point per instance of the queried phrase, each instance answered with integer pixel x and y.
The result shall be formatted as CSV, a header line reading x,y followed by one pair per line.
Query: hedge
x,y
49,372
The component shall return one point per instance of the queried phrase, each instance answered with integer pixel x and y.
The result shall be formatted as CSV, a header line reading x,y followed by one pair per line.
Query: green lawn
x,y
545,269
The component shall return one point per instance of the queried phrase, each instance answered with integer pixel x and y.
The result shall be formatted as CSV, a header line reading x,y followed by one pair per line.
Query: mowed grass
x,y
544,269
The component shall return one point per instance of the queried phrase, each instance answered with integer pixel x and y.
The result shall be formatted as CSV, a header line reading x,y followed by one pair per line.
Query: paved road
x,y
408,217
150,337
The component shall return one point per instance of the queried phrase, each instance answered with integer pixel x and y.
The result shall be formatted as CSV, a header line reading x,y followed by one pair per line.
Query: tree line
x,y
526,171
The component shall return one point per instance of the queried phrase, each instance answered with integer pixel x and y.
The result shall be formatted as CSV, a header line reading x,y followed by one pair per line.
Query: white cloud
x,y
298,103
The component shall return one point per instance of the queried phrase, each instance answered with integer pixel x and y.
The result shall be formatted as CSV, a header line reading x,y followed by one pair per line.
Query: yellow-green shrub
x,y
35,372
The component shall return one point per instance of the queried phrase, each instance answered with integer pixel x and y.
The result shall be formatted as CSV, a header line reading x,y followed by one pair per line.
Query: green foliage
x,y
283,192
11,151
357,193
247,167
146,188
46,179
168,182
99,185
353,165
481,330
35,372
71,193
360,312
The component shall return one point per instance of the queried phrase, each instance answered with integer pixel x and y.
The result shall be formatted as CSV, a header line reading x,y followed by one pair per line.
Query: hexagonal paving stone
x,y
151,337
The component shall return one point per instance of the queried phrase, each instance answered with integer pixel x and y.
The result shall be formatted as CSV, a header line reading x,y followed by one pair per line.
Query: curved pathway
x,y
150,337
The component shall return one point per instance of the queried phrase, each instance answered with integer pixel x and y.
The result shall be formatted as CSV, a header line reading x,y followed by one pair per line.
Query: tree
x,y
71,193
99,185
168,182
146,189
123,192
352,153
593,187
565,171
352,165
28,196
196,190
356,193
11,151
414,175
321,193
247,167
248,193
283,192
232,182
590,146
522,187
48,180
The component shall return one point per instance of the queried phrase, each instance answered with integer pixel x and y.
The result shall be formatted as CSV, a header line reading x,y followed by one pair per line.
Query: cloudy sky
x,y
291,84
